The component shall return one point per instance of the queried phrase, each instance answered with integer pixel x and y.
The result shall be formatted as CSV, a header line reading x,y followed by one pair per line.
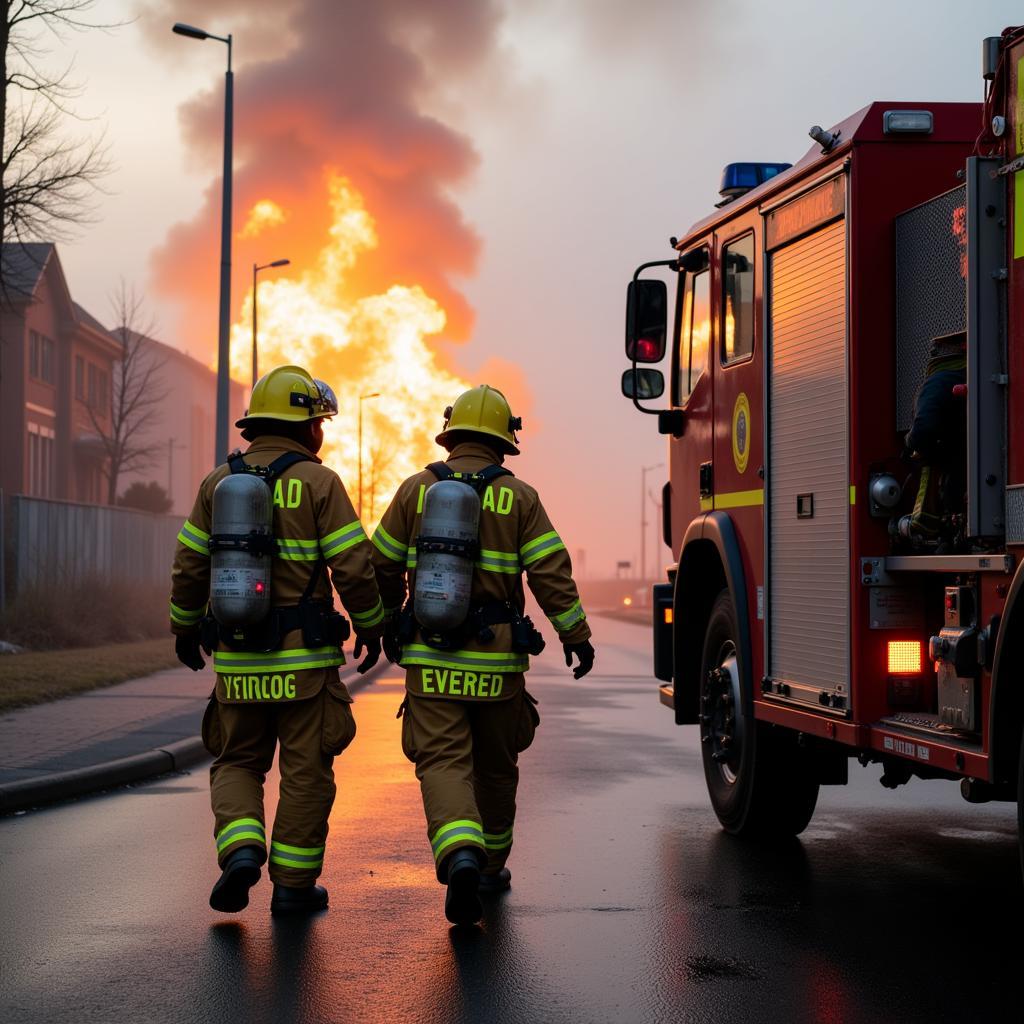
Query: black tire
x,y
761,783
1020,807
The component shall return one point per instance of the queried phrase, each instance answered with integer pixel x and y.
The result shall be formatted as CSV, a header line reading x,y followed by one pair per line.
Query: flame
x,y
359,344
264,214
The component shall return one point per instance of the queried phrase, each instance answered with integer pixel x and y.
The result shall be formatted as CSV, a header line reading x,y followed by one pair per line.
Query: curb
x,y
172,757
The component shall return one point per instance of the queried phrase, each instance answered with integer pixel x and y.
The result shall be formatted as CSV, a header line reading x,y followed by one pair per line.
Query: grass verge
x,y
39,676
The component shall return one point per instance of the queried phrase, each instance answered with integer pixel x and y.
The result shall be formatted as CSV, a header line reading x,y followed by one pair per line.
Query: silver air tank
x,y
240,580
444,580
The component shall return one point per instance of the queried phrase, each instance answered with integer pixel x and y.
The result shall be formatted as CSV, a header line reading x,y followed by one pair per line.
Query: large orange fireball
x,y
359,345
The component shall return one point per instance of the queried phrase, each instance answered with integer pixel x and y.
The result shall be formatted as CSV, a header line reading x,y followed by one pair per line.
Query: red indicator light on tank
x,y
260,587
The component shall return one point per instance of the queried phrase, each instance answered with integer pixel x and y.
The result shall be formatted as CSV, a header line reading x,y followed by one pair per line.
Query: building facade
x,y
58,372
56,369
180,430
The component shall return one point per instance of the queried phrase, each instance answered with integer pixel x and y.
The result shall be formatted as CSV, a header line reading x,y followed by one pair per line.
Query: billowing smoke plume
x,y
340,168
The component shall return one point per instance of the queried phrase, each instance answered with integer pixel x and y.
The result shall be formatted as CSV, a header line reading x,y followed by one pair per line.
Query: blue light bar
x,y
740,178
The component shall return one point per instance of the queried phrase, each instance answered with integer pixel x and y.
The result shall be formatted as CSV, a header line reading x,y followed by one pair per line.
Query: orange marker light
x,y
668,616
627,601
904,657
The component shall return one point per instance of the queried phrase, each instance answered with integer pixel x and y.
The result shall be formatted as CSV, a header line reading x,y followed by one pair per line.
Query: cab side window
x,y
738,300
694,333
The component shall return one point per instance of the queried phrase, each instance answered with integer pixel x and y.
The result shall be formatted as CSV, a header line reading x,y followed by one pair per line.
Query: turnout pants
x,y
466,755
242,738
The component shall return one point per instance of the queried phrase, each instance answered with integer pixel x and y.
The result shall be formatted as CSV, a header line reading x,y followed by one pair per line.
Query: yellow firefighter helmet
x,y
482,410
289,393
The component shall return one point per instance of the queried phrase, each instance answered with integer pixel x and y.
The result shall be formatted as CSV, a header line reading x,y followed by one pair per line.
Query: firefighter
x,y
467,714
277,682
937,440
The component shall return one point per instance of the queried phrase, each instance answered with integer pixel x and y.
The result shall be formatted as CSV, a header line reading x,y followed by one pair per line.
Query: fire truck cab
x,y
808,617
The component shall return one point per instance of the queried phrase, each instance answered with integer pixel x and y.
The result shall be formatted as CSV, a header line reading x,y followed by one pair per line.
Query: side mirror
x,y
643,384
646,320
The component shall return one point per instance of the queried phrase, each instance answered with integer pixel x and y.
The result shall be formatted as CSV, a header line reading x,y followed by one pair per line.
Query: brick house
x,y
182,425
56,365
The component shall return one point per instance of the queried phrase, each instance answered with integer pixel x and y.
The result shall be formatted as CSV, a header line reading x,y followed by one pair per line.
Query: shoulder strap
x,y
441,470
489,473
444,472
269,473
283,462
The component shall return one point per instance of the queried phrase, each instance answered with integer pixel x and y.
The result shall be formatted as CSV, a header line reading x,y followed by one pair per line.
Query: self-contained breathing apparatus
x,y
448,545
242,547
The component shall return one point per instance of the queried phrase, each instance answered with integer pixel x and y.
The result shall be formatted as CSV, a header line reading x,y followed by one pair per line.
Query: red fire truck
x,y
814,613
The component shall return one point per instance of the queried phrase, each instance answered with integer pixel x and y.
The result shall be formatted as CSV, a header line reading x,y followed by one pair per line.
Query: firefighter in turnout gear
x,y
937,440
277,680
467,715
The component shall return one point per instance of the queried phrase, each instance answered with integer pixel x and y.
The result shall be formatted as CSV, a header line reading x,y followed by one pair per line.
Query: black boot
x,y
240,873
462,903
500,881
307,900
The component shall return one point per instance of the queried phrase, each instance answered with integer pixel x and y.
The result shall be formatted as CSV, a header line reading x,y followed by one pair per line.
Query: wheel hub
x,y
721,720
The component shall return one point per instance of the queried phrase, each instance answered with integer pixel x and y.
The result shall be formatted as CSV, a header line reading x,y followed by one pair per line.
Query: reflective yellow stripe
x,y
343,539
192,537
499,841
853,495
565,619
536,549
291,862
387,545
733,499
371,617
483,661
296,659
184,616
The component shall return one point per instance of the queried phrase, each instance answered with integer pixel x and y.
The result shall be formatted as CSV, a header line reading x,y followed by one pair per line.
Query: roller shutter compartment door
x,y
809,491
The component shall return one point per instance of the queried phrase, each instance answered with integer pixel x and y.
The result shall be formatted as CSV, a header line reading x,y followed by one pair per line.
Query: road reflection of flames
x,y
359,344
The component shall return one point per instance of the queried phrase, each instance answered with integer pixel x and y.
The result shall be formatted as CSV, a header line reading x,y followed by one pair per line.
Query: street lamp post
x,y
256,268
224,328
362,398
643,515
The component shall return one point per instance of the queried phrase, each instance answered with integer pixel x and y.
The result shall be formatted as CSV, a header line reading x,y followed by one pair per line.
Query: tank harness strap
x,y
478,480
319,622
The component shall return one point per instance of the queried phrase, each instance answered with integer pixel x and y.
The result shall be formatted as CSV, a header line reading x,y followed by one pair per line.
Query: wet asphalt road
x,y
628,903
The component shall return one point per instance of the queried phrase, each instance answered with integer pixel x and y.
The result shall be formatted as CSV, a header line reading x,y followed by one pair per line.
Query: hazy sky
x,y
599,128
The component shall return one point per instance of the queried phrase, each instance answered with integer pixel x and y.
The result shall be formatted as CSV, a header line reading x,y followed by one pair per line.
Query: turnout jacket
x,y
313,517
516,536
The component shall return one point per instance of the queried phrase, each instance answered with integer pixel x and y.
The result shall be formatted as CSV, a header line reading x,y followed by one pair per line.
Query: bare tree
x,y
381,456
137,391
47,177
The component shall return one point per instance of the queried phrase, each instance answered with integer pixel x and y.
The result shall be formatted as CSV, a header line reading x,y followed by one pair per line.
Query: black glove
x,y
392,645
187,649
584,651
372,647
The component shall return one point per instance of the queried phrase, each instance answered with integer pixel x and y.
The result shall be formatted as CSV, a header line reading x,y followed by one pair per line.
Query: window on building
x,y
694,333
98,393
738,300
80,378
41,461
42,358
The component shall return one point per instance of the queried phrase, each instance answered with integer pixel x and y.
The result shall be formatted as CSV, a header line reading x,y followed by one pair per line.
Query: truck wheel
x,y
1020,806
759,780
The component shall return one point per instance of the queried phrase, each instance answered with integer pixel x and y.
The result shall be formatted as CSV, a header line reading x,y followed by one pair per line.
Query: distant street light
x,y
362,398
256,268
643,516
224,328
